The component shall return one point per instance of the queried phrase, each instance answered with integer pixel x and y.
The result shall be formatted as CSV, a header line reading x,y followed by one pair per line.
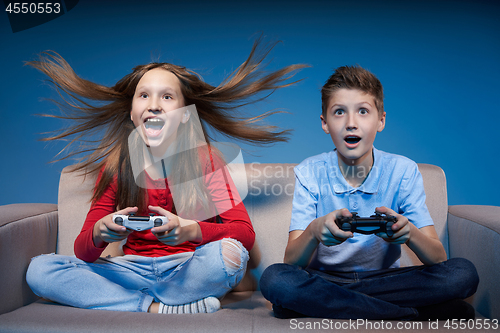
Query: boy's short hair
x,y
353,77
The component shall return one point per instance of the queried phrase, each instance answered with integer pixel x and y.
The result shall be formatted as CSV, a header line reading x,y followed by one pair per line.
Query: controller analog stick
x,y
158,222
118,220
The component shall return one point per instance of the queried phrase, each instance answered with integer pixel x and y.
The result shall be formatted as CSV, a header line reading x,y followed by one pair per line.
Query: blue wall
x,y
438,61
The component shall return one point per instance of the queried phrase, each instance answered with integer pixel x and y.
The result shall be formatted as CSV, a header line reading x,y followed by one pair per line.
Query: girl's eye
x,y
144,95
167,97
338,112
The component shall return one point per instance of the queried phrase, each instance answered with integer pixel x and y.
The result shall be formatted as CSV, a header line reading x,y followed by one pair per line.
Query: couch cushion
x,y
240,314
437,203
16,212
75,193
244,312
269,204
437,198
474,231
26,231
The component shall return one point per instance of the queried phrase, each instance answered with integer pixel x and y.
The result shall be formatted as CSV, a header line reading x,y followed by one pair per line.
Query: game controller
x,y
367,225
139,223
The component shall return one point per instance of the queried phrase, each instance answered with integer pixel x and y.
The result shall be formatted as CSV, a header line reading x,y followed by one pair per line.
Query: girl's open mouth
x,y
153,126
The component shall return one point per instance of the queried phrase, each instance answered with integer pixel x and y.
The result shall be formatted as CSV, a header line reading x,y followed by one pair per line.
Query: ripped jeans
x,y
132,283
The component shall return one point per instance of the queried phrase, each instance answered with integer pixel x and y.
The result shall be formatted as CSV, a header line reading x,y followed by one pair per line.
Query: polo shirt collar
x,y
371,183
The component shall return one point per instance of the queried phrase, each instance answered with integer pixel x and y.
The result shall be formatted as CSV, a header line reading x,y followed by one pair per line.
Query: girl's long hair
x,y
95,109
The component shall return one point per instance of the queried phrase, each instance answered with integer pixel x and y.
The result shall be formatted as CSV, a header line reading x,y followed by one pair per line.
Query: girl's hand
x,y
326,230
401,228
177,230
106,231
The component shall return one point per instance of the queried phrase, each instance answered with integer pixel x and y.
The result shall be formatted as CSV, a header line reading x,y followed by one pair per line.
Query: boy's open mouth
x,y
153,126
352,139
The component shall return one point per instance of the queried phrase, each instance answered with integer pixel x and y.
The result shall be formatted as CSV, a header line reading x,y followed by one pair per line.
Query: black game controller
x,y
140,223
367,225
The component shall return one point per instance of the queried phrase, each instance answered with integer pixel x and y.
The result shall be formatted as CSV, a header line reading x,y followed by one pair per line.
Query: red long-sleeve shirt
x,y
235,220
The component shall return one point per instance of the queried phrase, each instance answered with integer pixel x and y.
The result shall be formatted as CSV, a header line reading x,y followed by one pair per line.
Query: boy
x,y
330,273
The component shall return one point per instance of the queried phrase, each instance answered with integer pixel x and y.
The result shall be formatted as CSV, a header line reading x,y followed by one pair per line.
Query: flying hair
x,y
96,110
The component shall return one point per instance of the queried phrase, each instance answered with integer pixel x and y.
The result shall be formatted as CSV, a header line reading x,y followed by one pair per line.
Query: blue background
x,y
438,62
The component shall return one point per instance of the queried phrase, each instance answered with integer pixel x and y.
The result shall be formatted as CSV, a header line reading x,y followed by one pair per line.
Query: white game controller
x,y
140,223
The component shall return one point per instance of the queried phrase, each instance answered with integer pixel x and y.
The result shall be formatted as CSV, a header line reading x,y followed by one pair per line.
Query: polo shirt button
x,y
355,205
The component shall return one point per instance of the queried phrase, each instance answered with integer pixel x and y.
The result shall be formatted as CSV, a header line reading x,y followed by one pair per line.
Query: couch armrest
x,y
474,234
26,230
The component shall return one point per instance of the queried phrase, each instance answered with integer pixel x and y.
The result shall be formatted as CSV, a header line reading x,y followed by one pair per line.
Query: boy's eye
x,y
339,112
363,111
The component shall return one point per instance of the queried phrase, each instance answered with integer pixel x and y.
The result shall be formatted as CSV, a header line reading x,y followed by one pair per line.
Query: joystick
x,y
139,223
367,225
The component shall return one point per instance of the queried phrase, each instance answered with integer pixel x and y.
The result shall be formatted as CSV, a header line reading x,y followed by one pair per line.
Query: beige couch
x,y
27,230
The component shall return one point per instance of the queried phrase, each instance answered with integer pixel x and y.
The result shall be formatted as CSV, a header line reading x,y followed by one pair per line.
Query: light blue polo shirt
x,y
320,188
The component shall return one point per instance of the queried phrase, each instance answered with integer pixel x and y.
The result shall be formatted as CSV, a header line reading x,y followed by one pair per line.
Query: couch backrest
x,y
269,203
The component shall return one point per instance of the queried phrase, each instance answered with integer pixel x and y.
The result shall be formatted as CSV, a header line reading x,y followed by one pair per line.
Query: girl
x,y
155,157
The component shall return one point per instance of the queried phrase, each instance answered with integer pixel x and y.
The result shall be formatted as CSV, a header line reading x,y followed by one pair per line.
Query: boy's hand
x,y
106,231
401,228
326,230
177,230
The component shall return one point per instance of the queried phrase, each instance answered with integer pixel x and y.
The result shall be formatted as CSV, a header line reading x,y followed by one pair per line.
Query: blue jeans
x,y
132,283
383,294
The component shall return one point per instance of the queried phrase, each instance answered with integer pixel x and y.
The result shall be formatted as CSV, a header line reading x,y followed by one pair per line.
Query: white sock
x,y
205,305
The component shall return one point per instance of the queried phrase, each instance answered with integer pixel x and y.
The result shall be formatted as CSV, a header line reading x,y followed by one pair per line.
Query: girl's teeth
x,y
153,126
